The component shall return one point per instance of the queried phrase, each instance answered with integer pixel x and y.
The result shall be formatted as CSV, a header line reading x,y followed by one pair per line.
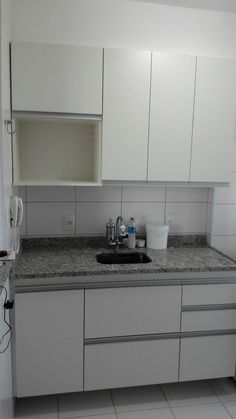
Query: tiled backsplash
x,y
90,208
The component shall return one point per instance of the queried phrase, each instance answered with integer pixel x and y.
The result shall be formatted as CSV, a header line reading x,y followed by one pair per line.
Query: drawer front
x,y
132,311
209,294
208,320
207,357
125,364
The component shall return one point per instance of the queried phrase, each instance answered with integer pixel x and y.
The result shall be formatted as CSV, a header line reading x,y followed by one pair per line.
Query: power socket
x,y
69,222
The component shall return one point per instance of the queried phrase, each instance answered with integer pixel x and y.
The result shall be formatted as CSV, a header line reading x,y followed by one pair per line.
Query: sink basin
x,y
129,257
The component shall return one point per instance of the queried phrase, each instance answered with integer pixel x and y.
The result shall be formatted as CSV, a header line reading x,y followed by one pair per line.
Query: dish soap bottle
x,y
131,233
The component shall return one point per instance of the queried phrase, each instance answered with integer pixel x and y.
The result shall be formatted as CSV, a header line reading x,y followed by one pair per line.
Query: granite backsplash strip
x,y
174,240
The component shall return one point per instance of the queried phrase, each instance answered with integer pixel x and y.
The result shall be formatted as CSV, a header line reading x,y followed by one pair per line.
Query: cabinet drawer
x,y
208,320
207,357
125,364
209,294
132,311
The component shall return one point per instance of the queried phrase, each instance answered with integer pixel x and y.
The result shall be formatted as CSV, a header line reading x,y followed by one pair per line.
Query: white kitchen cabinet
x,y
132,311
49,342
50,150
125,114
209,294
207,357
125,364
214,119
208,320
56,78
171,112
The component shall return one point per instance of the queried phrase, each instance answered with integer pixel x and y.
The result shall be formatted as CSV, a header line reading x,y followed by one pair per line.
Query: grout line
x,y
165,205
113,402
233,417
121,201
26,212
170,407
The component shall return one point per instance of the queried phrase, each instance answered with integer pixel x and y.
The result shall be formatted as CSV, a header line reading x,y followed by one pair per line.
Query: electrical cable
x,y
8,323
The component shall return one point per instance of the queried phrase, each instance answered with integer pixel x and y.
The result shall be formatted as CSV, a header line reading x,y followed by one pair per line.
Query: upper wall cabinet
x,y
125,114
172,97
214,119
56,78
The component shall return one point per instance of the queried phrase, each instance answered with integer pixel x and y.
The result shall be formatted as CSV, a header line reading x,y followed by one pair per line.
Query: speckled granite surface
x,y
75,257
5,269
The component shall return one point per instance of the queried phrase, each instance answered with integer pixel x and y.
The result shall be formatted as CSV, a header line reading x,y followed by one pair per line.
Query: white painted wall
x,y
124,23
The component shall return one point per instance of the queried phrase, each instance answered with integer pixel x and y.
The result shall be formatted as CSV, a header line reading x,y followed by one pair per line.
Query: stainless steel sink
x,y
128,257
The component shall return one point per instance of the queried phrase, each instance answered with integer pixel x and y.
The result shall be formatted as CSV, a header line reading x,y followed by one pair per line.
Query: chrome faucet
x,y
113,235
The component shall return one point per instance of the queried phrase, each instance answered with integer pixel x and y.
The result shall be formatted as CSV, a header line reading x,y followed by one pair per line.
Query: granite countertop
x,y
44,258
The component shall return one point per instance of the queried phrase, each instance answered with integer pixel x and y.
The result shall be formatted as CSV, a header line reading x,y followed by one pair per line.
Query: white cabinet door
x,y
49,342
214,119
125,114
56,78
125,364
207,357
172,97
132,311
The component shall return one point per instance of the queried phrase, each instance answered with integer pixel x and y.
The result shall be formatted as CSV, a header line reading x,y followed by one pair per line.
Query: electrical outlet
x,y
170,219
69,222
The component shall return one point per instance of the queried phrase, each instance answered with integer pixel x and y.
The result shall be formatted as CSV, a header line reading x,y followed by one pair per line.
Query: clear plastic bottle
x,y
131,233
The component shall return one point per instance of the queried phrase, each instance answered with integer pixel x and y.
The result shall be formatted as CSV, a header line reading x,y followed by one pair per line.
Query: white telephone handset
x,y
16,212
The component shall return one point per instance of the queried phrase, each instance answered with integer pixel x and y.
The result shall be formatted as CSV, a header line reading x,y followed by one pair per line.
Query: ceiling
x,y
222,5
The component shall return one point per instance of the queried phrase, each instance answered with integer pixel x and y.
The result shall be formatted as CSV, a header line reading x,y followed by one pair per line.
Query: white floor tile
x,y
37,408
203,411
147,414
91,403
189,393
138,398
231,407
225,388
109,416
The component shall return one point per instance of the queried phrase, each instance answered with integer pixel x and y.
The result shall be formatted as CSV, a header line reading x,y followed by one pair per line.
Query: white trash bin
x,y
157,235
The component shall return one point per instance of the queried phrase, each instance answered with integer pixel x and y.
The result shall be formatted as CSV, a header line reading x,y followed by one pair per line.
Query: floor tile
x,y
138,398
189,393
109,416
91,403
231,407
203,411
44,407
225,388
147,414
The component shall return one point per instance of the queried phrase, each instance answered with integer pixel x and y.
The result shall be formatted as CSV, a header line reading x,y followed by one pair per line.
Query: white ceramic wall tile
x,y
143,194
225,244
225,219
208,411
189,393
210,198
98,194
138,398
224,388
37,408
91,217
50,194
143,212
90,403
23,225
47,219
186,194
188,217
147,414
226,195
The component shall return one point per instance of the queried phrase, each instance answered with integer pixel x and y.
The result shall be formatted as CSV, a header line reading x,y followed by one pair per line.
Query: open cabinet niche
x,y
56,151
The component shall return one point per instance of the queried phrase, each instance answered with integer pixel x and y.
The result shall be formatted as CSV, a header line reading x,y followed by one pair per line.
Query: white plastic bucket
x,y
157,235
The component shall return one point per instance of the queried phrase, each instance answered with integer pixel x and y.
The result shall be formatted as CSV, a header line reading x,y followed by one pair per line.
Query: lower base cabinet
x,y
125,364
204,357
49,342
